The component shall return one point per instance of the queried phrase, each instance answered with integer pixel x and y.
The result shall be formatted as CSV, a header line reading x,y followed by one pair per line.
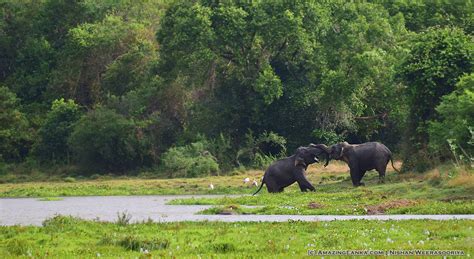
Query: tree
x,y
437,59
289,67
103,140
15,134
53,135
420,15
455,123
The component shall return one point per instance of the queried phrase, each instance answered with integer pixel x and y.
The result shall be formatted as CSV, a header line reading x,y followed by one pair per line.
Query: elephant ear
x,y
299,161
345,147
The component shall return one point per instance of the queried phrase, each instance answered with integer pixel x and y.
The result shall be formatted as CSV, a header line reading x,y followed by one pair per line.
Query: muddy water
x,y
32,211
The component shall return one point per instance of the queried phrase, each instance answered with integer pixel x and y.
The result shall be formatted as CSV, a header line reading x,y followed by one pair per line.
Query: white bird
x,y
255,183
211,186
246,180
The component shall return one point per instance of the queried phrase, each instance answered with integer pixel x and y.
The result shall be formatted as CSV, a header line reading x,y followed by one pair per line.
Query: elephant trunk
x,y
324,148
321,146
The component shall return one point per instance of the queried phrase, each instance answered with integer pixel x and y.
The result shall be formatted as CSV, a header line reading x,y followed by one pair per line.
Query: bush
x,y
437,60
327,137
190,161
105,140
224,152
15,136
453,130
53,135
260,152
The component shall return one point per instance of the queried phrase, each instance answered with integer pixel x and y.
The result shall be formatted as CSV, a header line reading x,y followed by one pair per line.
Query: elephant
x,y
286,171
361,158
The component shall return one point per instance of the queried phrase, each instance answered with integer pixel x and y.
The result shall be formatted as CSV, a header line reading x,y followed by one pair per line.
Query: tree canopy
x,y
115,86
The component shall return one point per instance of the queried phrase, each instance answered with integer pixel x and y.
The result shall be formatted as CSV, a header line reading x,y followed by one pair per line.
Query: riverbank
x,y
71,237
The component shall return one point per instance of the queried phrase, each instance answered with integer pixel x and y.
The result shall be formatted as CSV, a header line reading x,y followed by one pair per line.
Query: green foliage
x,y
281,67
260,152
455,124
224,152
136,244
18,247
121,52
192,160
53,135
437,59
328,137
307,71
15,135
268,85
105,140
420,15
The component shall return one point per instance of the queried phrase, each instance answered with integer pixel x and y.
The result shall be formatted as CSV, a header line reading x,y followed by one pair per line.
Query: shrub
x,y
53,135
190,161
105,140
259,152
224,152
437,60
15,137
19,247
123,218
135,243
454,128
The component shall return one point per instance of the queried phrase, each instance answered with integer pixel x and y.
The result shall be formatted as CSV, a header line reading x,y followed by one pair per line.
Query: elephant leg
x,y
272,189
361,175
381,176
303,181
272,186
381,169
356,176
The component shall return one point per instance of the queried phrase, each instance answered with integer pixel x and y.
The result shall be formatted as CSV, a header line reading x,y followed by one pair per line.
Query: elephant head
x,y
322,149
308,155
337,150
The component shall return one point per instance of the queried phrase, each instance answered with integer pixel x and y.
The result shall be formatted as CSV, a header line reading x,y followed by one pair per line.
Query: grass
x,y
66,237
444,190
132,186
50,199
437,192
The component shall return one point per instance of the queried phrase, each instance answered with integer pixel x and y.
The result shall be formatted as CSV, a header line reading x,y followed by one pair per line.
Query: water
x,y
32,211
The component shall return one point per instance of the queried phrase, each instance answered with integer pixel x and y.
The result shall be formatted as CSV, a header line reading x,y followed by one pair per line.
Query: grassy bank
x,y
66,237
435,192
131,186
444,190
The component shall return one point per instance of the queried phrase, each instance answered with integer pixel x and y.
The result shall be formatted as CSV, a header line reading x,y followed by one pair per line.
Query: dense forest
x,y
192,88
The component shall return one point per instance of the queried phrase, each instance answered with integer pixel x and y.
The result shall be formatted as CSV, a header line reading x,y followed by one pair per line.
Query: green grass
x,y
131,186
441,191
396,196
65,237
50,199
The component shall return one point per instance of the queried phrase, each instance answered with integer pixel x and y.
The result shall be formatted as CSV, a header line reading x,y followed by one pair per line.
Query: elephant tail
x,y
391,159
261,185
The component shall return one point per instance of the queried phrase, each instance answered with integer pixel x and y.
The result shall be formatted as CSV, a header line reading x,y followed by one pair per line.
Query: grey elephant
x,y
361,158
286,171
